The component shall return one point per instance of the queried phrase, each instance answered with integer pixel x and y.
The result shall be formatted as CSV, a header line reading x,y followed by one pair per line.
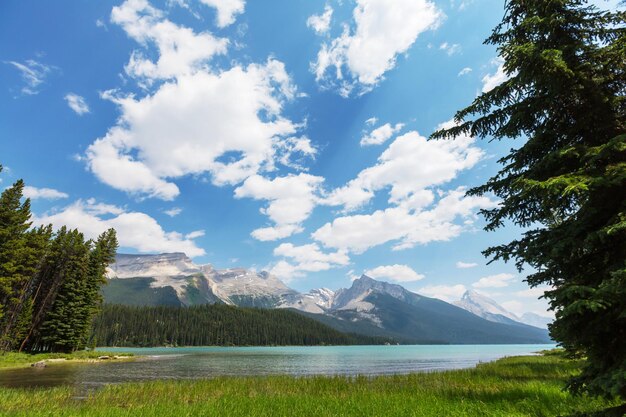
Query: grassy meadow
x,y
517,386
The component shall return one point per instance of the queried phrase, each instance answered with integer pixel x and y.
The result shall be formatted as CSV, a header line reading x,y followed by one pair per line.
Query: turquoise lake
x,y
208,362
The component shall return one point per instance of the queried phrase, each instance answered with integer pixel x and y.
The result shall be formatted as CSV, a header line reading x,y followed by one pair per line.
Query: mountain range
x,y
368,307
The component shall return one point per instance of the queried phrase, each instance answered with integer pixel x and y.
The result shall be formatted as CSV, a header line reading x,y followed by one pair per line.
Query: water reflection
x,y
194,363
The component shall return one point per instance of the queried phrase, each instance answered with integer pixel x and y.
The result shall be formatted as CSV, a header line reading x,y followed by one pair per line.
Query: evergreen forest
x,y
49,280
214,325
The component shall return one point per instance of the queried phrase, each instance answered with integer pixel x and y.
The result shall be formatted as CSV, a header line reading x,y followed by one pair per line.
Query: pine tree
x,y
21,250
102,254
62,329
566,182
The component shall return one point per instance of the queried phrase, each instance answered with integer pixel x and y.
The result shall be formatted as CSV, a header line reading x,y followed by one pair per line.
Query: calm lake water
x,y
207,362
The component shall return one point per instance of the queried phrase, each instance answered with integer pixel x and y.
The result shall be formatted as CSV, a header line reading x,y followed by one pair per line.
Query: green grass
x,y
520,386
20,360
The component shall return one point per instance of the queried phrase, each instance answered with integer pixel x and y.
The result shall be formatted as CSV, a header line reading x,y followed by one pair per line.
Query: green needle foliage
x,y
49,282
566,183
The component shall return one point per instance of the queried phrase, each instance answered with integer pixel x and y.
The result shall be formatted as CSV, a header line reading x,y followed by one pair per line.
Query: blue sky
x,y
279,135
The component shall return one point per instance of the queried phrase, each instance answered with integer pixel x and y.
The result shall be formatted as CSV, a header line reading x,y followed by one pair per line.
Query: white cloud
x,y
199,120
321,23
180,50
174,211
466,265
77,103
495,281
276,232
408,166
194,235
404,226
383,30
226,10
305,258
225,123
491,81
228,124
399,273
464,71
381,134
351,275
291,200
419,213
134,229
450,49
447,293
43,193
33,74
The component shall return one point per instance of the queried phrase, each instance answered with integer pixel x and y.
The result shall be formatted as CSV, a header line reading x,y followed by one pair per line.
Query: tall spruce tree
x,y
49,283
21,250
565,184
101,255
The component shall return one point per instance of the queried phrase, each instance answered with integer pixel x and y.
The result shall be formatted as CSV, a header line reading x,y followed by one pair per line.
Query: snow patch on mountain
x,y
485,307
162,265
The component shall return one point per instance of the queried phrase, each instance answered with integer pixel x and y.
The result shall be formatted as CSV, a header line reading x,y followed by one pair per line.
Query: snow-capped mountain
x,y
198,284
536,320
368,307
485,307
323,297
354,297
489,309
392,310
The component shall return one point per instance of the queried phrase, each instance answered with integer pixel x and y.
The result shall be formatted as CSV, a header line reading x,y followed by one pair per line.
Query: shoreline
x,y
14,360
508,386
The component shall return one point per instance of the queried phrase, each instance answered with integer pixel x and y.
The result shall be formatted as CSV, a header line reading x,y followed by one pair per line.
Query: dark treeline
x,y
49,281
213,325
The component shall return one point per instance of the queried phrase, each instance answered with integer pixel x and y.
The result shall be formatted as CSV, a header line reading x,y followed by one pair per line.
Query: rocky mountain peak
x,y
484,307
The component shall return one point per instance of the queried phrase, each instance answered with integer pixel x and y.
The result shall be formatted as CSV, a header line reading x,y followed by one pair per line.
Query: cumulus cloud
x,y
411,169
228,124
35,193
447,293
491,81
77,103
466,265
408,166
227,10
33,74
399,273
404,226
291,200
382,30
180,50
198,120
305,258
134,229
381,134
321,23
495,281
